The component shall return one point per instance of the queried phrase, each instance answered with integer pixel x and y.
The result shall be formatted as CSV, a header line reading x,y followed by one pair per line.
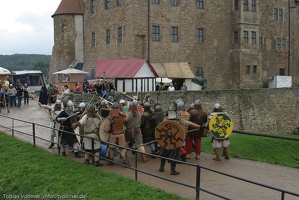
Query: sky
x,y
26,26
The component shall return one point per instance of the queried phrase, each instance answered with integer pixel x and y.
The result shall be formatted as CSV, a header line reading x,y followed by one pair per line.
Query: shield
x,y
221,126
169,134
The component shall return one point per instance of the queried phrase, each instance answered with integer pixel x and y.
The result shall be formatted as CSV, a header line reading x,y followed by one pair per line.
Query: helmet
x,y
133,103
82,105
197,104
158,108
115,106
58,101
70,103
122,101
180,105
104,103
146,105
217,106
91,108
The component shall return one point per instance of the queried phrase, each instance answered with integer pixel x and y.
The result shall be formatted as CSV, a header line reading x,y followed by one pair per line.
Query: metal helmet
x,y
91,108
115,106
147,106
82,105
70,103
180,105
122,101
158,108
197,104
104,103
58,101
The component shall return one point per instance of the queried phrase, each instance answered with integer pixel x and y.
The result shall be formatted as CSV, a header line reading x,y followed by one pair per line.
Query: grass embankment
x,y
263,149
27,170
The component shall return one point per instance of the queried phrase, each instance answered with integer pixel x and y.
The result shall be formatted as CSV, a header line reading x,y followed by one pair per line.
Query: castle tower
x,y
68,37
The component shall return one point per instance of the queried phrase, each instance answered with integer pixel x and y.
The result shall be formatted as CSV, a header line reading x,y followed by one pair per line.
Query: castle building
x,y
232,44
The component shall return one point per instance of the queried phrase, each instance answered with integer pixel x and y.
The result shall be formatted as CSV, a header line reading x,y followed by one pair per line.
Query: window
x,y
93,39
275,14
283,44
156,1
199,72
119,34
236,37
174,2
254,69
93,73
280,15
156,33
246,37
119,2
246,5
253,37
174,34
278,44
199,4
107,4
108,37
247,69
281,71
261,42
236,4
199,35
92,6
253,5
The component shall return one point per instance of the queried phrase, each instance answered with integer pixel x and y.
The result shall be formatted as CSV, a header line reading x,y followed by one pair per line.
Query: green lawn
x,y
26,169
263,149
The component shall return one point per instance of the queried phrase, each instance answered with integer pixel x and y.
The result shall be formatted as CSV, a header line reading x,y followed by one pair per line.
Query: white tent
x,y
4,71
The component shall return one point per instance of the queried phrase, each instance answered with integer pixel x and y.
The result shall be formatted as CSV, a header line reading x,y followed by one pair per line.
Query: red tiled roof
x,y
70,7
121,68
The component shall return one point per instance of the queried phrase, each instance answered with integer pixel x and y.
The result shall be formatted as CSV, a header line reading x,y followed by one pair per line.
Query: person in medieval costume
x,y
133,131
54,112
115,126
91,121
198,116
43,95
26,94
66,134
156,119
174,153
147,127
217,144
181,110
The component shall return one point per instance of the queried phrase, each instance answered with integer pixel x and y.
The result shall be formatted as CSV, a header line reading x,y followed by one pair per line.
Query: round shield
x,y
169,134
221,126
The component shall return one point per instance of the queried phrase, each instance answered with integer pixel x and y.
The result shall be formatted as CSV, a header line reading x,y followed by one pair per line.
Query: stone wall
x,y
251,110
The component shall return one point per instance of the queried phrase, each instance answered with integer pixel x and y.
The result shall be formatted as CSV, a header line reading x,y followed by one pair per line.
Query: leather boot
x,y
144,159
63,154
153,152
77,155
183,158
173,172
126,160
97,163
86,161
226,153
217,153
110,163
161,169
51,145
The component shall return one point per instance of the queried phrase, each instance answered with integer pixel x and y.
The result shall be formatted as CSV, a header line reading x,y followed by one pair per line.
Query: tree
x,y
44,68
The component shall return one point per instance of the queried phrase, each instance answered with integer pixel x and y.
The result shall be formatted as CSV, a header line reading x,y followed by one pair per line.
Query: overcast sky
x,y
26,26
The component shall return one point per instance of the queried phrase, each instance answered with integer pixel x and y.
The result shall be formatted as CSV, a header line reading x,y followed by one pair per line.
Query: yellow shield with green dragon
x,y
221,126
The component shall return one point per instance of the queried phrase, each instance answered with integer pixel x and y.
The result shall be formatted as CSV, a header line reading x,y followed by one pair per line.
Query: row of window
x,y
246,5
248,69
280,42
199,3
156,35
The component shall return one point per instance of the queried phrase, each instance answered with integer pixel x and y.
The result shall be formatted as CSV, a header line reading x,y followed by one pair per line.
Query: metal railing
x,y
197,186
